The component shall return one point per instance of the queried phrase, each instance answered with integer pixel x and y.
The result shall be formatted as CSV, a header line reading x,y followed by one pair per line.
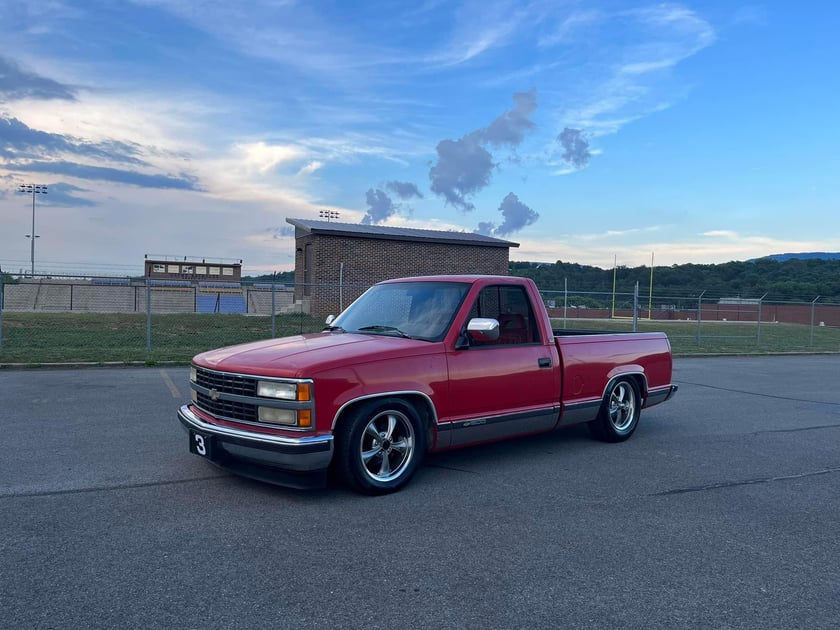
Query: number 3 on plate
x,y
200,448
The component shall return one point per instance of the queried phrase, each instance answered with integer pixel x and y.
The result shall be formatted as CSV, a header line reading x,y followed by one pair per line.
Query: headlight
x,y
277,416
284,391
272,389
193,375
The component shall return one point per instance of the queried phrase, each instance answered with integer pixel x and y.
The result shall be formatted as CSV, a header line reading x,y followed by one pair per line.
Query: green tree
x,y
793,279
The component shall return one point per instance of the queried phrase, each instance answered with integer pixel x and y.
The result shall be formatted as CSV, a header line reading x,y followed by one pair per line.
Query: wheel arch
x,y
604,426
418,400
636,376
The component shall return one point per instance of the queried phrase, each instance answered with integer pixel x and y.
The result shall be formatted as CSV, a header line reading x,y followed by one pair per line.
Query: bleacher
x,y
259,299
220,303
171,284
171,300
218,287
121,295
111,282
20,297
205,303
53,297
220,297
232,304
104,298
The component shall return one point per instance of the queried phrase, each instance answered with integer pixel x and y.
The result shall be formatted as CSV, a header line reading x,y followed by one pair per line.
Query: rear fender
x,y
634,373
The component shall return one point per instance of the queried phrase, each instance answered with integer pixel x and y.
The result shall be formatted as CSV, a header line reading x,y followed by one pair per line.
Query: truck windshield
x,y
420,310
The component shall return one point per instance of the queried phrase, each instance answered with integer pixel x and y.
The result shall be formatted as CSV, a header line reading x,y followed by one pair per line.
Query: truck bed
x,y
570,332
591,358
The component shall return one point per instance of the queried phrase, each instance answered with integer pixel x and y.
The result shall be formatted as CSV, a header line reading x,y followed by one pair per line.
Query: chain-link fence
x,y
102,319
701,322
123,319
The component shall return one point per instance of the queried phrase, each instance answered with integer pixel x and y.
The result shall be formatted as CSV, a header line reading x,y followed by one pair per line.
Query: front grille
x,y
226,383
227,408
234,397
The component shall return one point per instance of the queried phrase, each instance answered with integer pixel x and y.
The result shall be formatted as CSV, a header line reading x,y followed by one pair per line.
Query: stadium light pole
x,y
329,215
33,189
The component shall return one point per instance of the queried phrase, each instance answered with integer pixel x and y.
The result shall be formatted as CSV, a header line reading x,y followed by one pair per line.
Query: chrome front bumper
x,y
288,461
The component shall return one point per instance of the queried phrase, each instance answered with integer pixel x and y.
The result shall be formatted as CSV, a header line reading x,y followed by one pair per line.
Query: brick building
x,y
336,262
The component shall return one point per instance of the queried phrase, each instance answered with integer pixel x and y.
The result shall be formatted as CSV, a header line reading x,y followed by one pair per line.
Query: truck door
x,y
510,386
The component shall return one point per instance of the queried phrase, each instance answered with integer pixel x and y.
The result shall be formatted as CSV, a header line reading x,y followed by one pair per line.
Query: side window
x,y
509,305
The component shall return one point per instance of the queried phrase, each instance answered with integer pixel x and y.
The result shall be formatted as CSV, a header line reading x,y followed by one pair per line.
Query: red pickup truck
x,y
415,365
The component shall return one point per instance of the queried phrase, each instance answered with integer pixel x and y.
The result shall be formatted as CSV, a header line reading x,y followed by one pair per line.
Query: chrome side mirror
x,y
483,329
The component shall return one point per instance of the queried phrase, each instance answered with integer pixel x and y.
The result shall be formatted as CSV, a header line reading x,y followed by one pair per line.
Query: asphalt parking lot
x,y
722,511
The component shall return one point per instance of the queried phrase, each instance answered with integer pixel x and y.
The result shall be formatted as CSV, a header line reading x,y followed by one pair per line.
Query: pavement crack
x,y
749,393
453,468
127,486
798,429
744,482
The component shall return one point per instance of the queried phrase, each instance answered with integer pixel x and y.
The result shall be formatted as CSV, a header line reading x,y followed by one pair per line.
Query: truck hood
x,y
302,356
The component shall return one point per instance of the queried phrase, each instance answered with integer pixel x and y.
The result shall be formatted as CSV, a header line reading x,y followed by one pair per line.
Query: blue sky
x,y
586,131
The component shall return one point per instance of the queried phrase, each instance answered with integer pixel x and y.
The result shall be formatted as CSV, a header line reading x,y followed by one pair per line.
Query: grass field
x,y
36,338
44,338
687,338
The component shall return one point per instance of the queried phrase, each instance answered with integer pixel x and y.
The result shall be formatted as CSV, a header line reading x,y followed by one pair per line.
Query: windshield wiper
x,y
384,329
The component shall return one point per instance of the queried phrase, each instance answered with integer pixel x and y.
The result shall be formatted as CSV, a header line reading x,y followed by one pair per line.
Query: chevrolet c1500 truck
x,y
415,365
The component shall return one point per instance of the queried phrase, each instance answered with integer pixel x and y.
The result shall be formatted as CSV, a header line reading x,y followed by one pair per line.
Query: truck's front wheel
x,y
619,414
380,446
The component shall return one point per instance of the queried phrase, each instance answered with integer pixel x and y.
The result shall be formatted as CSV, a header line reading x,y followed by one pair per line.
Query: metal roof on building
x,y
358,230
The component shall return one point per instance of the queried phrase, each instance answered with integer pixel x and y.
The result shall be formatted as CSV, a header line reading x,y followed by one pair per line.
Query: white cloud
x,y
293,33
571,27
728,234
309,169
478,28
633,248
623,82
261,157
164,132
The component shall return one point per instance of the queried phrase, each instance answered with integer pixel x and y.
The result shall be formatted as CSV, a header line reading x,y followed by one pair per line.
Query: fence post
x,y
1,307
699,315
148,315
565,299
758,330
813,305
636,308
273,316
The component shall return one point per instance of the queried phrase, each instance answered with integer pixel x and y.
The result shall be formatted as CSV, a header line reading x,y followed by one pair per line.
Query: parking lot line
x,y
176,393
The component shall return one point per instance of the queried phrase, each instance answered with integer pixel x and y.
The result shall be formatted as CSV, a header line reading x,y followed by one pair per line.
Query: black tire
x,y
619,414
380,446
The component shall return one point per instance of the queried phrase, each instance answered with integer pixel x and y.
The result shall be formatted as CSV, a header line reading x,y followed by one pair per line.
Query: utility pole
x,y
33,189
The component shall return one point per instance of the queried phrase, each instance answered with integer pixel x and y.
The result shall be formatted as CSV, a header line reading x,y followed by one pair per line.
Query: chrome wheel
x,y
619,414
386,447
622,407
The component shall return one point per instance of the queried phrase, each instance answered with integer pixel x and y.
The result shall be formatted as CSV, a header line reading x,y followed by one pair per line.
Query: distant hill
x,y
803,256
798,277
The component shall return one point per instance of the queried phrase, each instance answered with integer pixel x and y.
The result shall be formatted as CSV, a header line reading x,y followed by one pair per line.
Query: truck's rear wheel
x,y
619,413
380,446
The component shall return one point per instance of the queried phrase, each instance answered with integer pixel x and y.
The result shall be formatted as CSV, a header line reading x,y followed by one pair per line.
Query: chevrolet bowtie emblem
x,y
214,395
